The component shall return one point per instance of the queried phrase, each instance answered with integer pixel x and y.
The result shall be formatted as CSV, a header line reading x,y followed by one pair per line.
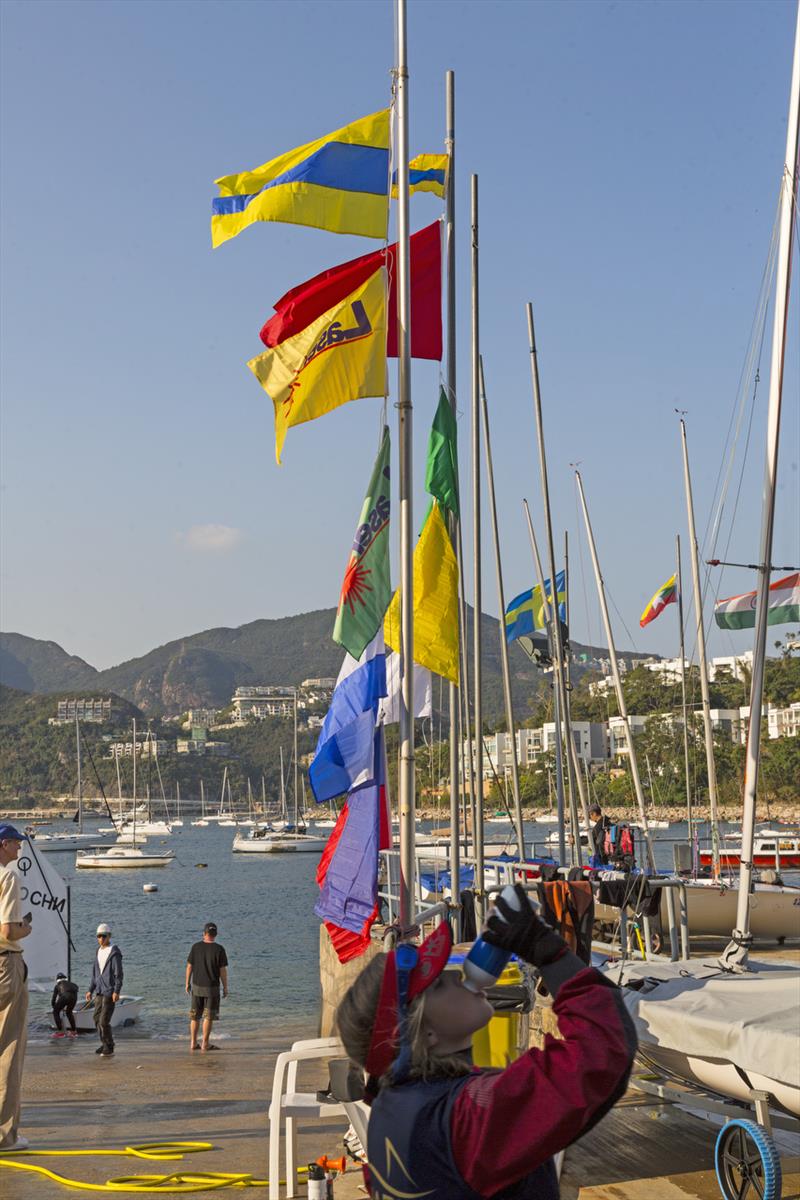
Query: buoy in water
x,y
201,864
150,887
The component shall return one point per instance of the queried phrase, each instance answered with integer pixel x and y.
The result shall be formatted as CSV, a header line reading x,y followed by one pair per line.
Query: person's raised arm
x,y
504,1124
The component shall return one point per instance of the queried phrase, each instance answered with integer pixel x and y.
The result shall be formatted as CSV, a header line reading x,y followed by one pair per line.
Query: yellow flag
x,y
435,601
339,357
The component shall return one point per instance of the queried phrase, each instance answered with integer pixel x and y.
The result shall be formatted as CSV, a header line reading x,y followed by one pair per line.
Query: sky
x,y
629,158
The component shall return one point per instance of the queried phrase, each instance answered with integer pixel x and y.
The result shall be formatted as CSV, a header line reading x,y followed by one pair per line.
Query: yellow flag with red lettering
x,y
339,357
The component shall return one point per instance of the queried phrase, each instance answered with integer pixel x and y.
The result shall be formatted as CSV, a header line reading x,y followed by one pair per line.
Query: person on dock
x,y
63,1000
206,970
106,987
13,990
443,1129
600,824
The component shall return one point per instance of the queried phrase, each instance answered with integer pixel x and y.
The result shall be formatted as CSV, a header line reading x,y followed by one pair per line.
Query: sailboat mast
x,y
558,649
511,731
736,952
612,653
701,654
134,781
576,766
80,781
296,764
679,578
477,831
450,270
406,782
547,614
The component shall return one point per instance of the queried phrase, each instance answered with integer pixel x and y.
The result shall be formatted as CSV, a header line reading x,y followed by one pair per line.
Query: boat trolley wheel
x,y
747,1162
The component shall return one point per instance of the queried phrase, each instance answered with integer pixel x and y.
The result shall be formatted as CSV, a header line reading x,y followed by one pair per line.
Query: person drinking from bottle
x,y
443,1129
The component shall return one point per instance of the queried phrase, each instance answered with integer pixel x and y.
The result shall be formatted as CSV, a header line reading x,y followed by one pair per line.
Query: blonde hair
x,y
355,1020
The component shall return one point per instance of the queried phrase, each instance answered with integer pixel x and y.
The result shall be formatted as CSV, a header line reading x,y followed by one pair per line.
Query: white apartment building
x,y
95,709
590,738
784,722
733,664
668,669
147,748
617,737
261,702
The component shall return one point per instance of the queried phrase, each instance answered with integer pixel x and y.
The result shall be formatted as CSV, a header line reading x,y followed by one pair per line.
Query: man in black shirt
x,y
206,969
64,998
600,824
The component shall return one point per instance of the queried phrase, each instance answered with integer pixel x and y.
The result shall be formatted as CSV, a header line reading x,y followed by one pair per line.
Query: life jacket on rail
x,y
619,845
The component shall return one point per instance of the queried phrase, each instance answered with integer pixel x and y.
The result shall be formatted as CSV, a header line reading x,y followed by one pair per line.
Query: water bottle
x,y
317,1183
485,963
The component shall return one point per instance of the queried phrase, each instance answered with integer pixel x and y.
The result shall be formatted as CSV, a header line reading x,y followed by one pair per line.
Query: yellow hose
x,y
180,1181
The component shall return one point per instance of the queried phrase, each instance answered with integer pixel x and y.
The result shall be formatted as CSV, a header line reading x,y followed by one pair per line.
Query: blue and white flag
x,y
345,754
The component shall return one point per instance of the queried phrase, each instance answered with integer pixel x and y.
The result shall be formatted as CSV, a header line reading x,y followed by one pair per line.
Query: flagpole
x,y
701,654
476,559
612,654
679,580
558,650
549,619
568,689
404,408
736,953
450,267
502,624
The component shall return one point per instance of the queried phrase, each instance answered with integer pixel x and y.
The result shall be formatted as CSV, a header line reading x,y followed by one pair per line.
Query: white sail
x,y
44,895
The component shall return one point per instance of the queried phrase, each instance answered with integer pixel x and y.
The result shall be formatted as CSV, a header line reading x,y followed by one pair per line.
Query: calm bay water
x,y
263,907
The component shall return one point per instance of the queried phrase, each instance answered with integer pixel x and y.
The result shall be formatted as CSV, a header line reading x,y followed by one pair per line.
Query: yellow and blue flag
x,y
525,612
338,357
426,173
340,182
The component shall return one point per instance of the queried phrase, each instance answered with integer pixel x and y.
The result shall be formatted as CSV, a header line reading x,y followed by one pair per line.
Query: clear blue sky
x,y
629,157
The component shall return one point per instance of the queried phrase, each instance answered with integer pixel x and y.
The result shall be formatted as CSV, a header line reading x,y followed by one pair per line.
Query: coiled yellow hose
x,y
178,1182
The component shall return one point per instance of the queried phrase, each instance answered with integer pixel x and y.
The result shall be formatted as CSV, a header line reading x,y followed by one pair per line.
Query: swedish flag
x,y
525,612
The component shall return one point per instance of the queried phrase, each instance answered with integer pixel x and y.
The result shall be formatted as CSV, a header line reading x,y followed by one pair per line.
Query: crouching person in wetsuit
x,y
439,1127
64,999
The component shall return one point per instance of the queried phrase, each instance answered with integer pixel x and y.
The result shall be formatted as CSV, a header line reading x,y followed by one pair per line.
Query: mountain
x,y
31,665
203,669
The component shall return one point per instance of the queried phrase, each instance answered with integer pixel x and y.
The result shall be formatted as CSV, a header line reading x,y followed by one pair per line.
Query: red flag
x,y
304,303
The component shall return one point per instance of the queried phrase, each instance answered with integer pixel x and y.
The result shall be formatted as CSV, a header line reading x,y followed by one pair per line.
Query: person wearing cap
x,y
441,1128
64,999
206,969
13,990
105,987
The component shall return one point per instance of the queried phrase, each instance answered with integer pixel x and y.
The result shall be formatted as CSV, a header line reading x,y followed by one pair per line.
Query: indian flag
x,y
739,612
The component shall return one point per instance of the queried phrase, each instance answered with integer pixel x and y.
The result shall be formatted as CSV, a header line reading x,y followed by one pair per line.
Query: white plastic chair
x,y
287,1105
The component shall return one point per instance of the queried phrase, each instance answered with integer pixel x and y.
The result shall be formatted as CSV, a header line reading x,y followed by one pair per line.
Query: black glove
x,y
523,933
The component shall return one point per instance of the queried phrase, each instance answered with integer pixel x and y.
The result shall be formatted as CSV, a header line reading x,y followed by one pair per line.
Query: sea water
x,y
263,906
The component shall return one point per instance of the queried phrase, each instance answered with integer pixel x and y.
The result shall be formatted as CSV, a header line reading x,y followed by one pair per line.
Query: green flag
x,y
367,590
441,473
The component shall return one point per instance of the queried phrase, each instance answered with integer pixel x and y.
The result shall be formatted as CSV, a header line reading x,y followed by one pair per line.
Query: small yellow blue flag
x,y
426,173
340,182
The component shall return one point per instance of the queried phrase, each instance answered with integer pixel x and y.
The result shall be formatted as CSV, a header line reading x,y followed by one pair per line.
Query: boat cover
x,y
697,1009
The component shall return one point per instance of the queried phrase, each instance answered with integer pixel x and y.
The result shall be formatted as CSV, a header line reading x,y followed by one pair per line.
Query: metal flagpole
x,y
450,267
679,581
502,623
296,763
736,953
476,559
558,655
547,615
576,768
404,407
701,654
612,654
